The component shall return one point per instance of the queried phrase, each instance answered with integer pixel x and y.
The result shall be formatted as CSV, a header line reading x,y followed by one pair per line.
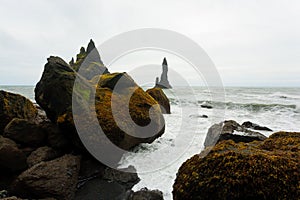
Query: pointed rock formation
x,y
89,62
164,82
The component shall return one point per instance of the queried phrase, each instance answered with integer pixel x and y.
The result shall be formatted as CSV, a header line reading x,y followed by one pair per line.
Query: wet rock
x,y
230,130
12,159
161,98
127,179
25,132
56,178
14,106
266,169
42,154
255,126
145,194
100,189
206,105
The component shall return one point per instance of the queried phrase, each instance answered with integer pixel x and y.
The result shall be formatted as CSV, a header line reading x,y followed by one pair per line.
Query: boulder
x,y
127,179
12,159
42,154
56,178
122,79
145,194
254,126
54,91
14,106
112,184
25,132
56,138
139,106
266,169
231,130
161,98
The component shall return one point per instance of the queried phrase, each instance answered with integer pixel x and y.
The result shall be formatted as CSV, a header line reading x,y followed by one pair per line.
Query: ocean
x,y
194,110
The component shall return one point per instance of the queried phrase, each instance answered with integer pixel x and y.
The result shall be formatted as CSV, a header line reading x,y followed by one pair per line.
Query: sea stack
x,y
163,82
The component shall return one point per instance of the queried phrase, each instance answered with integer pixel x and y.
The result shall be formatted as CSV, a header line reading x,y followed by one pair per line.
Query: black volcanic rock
x,y
255,126
231,130
163,82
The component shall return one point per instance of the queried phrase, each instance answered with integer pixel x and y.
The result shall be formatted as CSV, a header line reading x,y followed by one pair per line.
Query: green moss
x,y
257,170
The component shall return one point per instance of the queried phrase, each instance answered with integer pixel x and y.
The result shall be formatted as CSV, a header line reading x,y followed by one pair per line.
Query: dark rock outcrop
x,y
25,132
163,82
230,130
14,106
89,62
54,95
266,169
56,178
42,154
12,159
161,98
255,126
145,194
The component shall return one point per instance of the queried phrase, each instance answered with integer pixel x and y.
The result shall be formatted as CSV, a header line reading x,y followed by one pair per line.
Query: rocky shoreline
x,y
42,156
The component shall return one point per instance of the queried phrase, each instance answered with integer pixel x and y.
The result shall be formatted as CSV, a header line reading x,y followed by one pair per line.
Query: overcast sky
x,y
252,43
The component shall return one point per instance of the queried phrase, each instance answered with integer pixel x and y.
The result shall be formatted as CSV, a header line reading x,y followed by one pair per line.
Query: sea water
x,y
186,128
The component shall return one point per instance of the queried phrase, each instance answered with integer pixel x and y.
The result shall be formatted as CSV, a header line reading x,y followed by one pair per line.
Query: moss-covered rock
x,y
54,94
122,80
89,62
139,107
268,169
159,95
14,106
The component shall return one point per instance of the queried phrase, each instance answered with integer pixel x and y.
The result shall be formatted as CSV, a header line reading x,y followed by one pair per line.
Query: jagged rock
x,y
25,132
42,154
14,106
56,178
145,194
230,130
161,98
163,82
54,91
266,169
12,159
89,62
255,126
